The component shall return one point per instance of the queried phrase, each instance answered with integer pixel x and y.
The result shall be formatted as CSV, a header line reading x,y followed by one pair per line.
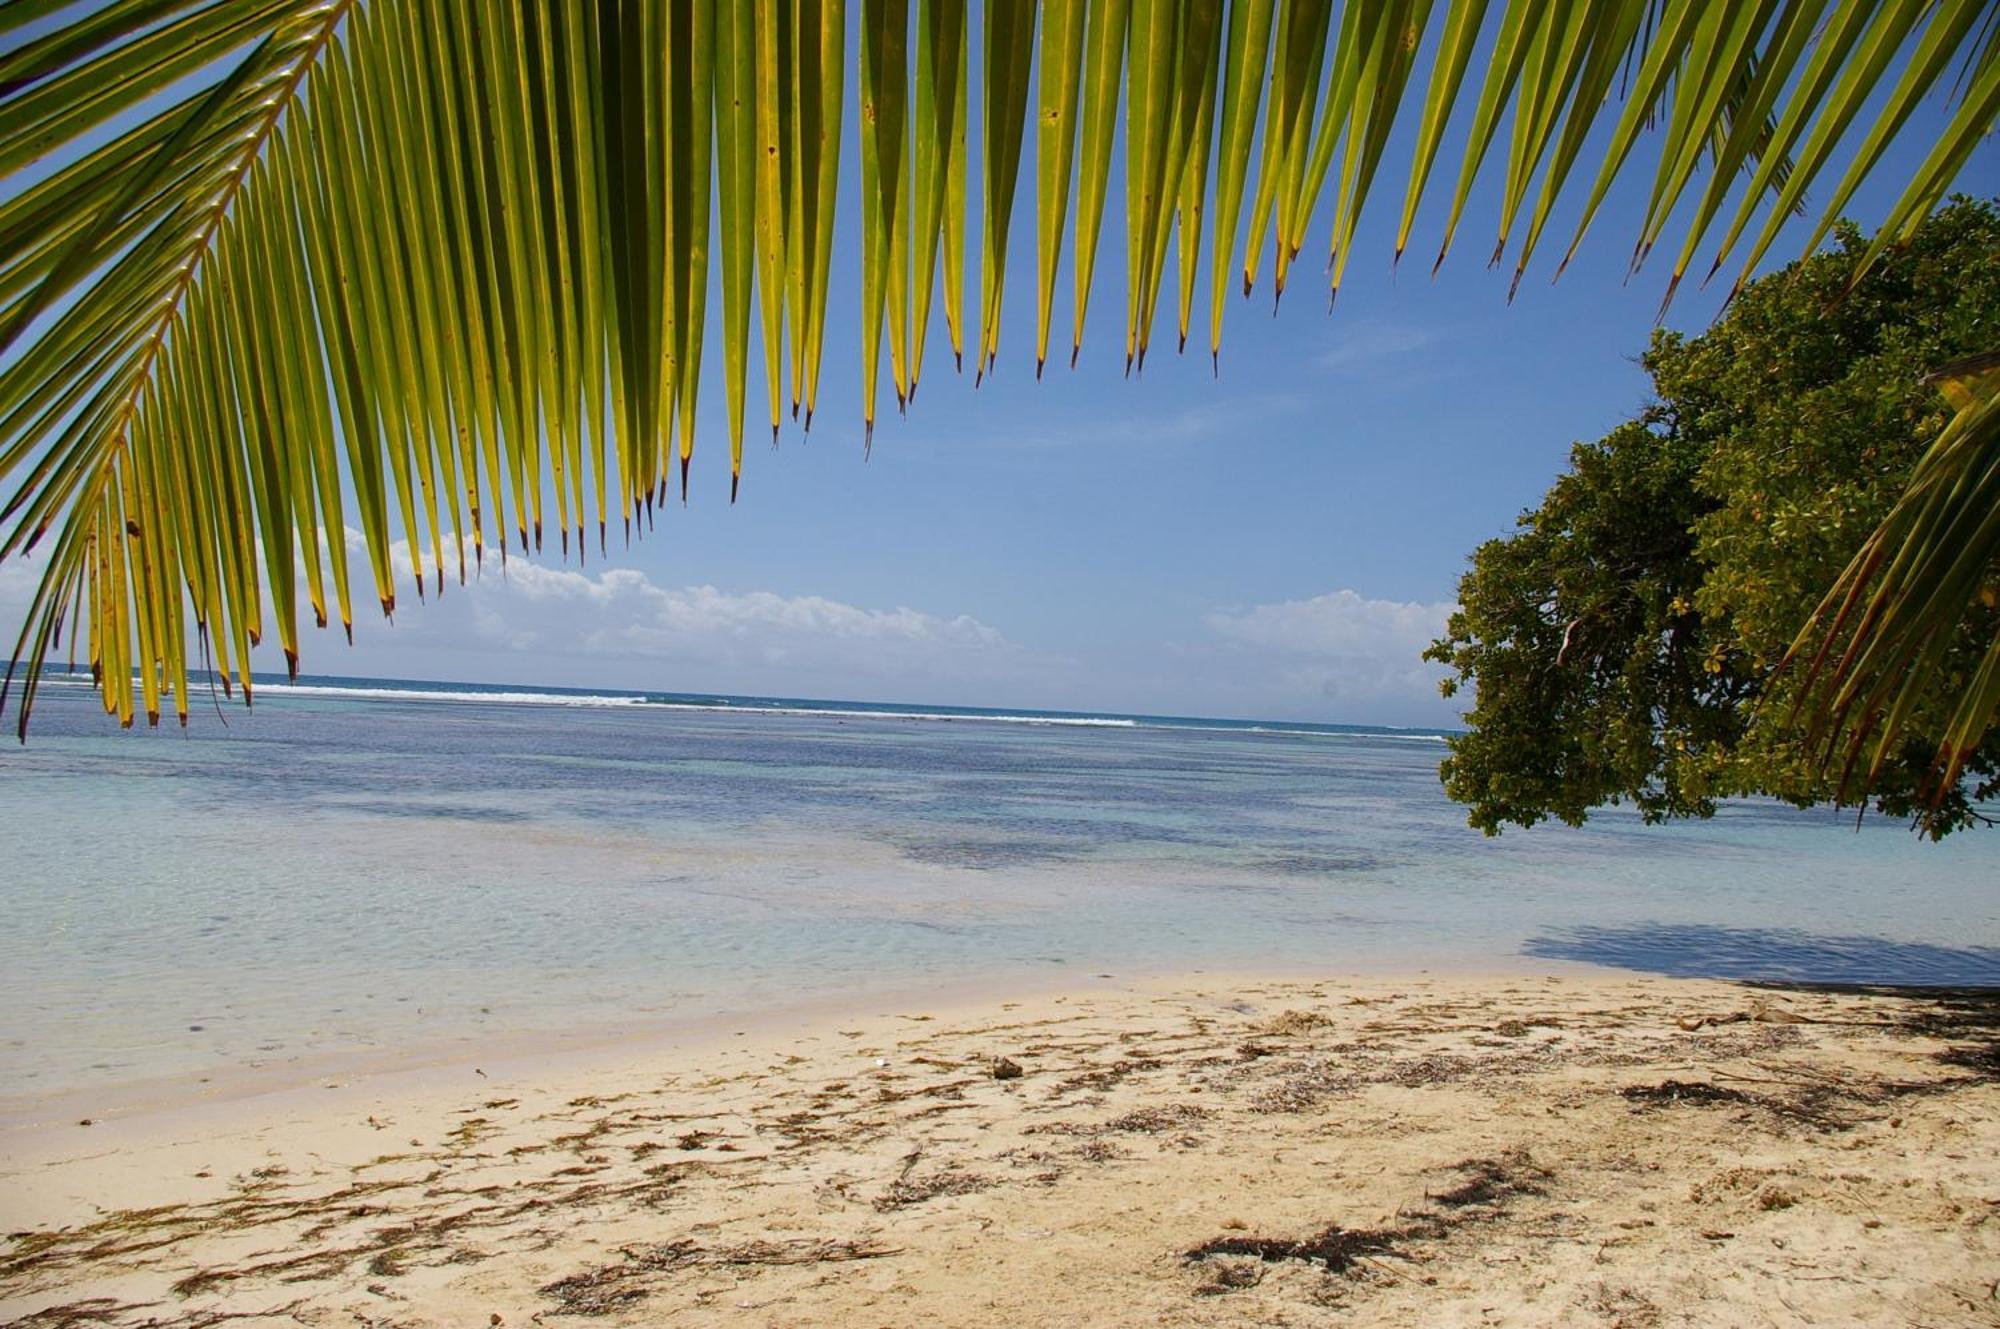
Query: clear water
x,y
339,872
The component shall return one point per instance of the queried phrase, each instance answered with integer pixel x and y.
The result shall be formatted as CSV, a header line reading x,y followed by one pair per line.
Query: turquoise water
x,y
419,865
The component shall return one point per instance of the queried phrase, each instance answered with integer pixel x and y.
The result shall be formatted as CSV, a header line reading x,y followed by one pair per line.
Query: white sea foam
x,y
1399,736
1354,733
1072,721
439,695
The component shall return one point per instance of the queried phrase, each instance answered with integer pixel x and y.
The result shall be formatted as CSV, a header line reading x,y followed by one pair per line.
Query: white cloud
x,y
619,627
1360,655
622,612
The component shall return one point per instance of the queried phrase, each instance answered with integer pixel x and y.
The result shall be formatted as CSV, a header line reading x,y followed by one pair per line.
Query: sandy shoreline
x,y
1197,1150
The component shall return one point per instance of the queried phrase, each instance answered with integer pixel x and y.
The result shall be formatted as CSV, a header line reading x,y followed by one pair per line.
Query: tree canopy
x,y
1625,642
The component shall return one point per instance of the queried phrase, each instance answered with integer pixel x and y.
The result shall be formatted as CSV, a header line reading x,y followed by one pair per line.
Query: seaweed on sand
x,y
1698,1093
1490,1185
1493,1181
907,1191
75,1314
1334,1246
612,1287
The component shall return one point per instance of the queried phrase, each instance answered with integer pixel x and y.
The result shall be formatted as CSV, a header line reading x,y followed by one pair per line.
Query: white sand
x,y
1424,1152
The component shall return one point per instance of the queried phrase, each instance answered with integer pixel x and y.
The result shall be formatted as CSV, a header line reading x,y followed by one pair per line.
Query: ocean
x,y
393,867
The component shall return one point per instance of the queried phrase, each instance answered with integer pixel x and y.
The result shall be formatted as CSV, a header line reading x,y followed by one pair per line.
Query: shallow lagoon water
x,y
333,874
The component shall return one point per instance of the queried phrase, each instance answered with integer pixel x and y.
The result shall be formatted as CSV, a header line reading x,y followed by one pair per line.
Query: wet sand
x,y
1530,1151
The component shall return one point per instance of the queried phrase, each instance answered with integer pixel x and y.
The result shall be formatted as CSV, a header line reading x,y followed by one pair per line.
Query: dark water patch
x,y
1107,830
1257,889
1320,865
1076,833
1688,950
987,855
431,811
927,925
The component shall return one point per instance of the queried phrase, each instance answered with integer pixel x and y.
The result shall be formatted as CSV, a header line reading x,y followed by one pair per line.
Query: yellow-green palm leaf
x,y
438,269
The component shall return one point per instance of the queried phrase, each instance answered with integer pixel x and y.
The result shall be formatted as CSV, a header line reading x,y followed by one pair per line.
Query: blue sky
x,y
1278,541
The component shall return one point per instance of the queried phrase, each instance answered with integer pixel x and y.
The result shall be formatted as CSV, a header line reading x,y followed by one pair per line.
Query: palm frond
x,y
1878,641
439,269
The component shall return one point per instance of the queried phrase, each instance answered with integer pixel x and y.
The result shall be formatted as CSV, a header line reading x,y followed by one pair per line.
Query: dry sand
x,y
1428,1152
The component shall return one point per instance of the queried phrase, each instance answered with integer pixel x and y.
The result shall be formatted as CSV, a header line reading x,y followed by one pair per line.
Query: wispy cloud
x,y
1205,421
1368,348
1361,655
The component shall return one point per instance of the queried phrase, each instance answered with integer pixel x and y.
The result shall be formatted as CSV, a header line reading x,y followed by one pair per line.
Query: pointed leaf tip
x,y
1673,285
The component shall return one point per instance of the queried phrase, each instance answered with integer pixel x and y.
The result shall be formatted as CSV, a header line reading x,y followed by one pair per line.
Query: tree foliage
x,y
1626,643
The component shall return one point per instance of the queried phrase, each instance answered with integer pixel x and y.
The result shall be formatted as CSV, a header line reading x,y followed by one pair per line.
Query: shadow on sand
x,y
1784,955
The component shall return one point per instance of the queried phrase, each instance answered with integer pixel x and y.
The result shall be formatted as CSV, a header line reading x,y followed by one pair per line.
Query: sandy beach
x,y
1198,1151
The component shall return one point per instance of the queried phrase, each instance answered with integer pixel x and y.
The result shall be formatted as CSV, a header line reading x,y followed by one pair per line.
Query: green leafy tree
x,y
1627,643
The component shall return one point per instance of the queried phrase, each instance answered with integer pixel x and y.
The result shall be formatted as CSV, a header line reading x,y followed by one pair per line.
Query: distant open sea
x,y
372,866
